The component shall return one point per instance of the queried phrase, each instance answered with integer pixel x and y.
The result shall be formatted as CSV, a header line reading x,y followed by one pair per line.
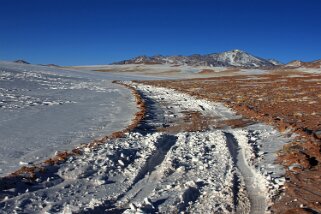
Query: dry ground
x,y
289,102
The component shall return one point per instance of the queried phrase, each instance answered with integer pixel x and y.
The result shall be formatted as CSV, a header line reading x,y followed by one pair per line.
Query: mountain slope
x,y
236,58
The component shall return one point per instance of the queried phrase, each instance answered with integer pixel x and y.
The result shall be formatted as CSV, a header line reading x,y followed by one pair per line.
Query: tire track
x,y
257,199
149,175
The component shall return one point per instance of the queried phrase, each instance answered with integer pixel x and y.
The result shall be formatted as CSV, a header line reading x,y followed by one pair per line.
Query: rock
x,y
280,181
23,163
132,206
99,181
121,163
298,114
86,150
317,134
148,204
295,167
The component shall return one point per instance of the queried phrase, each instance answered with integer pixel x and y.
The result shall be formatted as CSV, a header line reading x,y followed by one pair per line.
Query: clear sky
x,y
80,32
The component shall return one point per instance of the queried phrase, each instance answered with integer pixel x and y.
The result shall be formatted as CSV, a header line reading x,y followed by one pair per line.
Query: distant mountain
x,y
294,64
298,64
313,64
50,65
235,58
21,61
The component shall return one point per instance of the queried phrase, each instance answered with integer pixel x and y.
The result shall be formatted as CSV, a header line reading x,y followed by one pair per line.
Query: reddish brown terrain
x,y
290,103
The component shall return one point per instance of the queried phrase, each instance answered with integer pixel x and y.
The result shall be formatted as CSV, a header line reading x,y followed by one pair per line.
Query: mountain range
x,y
235,58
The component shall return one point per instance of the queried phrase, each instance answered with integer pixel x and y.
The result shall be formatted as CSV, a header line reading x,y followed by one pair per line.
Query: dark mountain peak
x,y
20,61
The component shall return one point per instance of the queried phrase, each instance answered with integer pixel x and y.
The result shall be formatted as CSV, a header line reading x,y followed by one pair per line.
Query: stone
x,y
317,134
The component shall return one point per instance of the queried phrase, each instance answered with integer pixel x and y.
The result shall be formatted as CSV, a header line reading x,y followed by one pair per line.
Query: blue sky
x,y
80,32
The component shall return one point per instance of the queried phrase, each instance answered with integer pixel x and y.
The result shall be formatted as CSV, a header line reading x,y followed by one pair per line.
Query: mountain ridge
x,y
234,58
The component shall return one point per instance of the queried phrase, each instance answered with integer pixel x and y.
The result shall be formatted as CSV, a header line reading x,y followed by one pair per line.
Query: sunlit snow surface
x,y
215,170
43,110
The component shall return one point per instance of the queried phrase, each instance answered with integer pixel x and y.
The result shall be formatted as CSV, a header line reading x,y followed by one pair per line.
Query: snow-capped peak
x,y
240,58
